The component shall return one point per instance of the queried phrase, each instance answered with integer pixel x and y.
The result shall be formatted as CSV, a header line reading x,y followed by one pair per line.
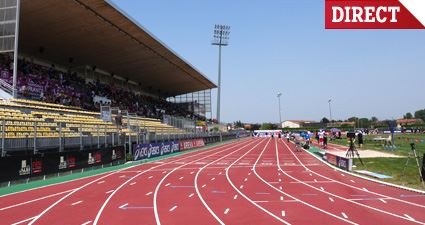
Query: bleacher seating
x,y
25,119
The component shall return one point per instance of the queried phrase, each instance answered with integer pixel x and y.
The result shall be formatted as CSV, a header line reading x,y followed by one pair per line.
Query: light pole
x,y
330,110
280,111
221,38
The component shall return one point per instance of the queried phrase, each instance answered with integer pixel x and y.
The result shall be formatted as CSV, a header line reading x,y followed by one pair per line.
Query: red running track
x,y
250,182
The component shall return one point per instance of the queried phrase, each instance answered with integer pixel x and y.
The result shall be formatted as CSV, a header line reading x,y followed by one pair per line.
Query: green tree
x,y
238,124
268,126
408,116
324,120
364,123
420,114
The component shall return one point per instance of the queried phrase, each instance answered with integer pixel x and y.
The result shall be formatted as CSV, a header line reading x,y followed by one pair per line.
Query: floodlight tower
x,y
221,38
330,109
280,111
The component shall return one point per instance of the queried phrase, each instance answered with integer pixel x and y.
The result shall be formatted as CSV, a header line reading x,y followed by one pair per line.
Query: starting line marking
x,y
172,209
88,222
76,203
226,211
23,221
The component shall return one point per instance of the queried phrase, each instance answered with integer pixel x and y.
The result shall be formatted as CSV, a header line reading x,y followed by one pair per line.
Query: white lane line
x,y
344,215
283,213
76,203
281,198
331,199
149,193
122,206
246,179
382,200
226,211
241,187
23,221
86,223
172,209
181,178
150,177
133,183
409,217
109,191
235,197
191,195
352,181
213,178
34,200
101,182
204,185
168,184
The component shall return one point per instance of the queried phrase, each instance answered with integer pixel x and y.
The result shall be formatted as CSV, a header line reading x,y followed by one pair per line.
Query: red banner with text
x,y
191,144
375,14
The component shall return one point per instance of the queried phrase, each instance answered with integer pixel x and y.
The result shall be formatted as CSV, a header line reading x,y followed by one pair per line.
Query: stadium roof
x,y
97,33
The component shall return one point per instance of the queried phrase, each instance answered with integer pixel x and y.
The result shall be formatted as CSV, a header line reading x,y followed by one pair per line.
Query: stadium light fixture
x,y
221,38
280,111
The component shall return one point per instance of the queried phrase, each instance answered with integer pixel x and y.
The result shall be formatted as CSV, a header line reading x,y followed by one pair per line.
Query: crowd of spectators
x,y
51,85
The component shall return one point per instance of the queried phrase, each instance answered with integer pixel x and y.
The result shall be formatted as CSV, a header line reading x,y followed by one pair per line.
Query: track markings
x,y
321,188
235,197
342,174
172,209
331,199
249,174
226,211
213,178
86,223
315,180
311,175
280,187
352,181
246,179
168,184
101,182
122,176
122,206
241,187
34,200
23,221
204,185
365,189
164,172
344,215
192,172
150,177
149,193
191,195
181,178
108,192
409,217
133,183
281,198
283,213
220,173
76,203
382,200
280,180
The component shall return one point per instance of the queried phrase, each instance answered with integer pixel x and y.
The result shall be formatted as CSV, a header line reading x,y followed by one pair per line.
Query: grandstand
x,y
73,58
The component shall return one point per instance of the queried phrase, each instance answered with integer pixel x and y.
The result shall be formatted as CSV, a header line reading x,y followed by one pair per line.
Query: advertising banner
x,y
341,162
146,151
191,144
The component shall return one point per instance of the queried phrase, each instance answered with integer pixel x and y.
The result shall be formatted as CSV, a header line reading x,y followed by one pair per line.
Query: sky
x,y
282,46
